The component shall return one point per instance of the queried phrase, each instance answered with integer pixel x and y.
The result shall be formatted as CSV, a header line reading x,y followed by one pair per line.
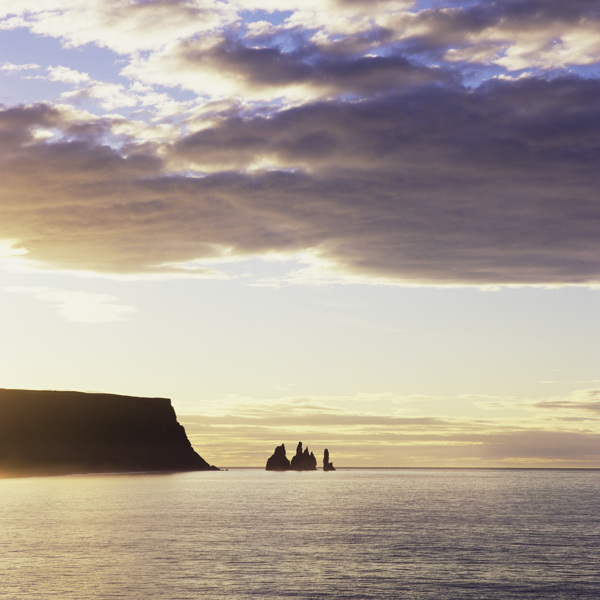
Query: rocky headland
x,y
303,460
56,433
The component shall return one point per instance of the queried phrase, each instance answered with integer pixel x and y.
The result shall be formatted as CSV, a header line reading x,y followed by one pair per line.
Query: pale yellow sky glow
x,y
368,226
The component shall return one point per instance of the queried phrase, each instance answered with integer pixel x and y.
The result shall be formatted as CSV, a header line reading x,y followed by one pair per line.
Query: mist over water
x,y
355,534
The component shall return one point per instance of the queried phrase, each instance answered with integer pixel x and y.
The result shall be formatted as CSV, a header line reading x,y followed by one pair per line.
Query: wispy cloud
x,y
78,306
587,401
360,430
14,68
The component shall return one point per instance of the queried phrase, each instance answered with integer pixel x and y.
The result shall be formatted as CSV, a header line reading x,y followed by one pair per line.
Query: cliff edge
x,y
56,433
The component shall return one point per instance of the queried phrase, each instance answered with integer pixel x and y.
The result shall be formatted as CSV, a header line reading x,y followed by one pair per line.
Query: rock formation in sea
x,y
327,466
303,460
278,461
53,432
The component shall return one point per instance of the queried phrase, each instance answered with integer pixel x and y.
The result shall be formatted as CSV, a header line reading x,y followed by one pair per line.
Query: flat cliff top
x,y
70,432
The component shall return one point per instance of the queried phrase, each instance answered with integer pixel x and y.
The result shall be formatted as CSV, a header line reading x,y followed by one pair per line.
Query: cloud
x,y
66,75
13,68
439,184
110,95
332,72
268,63
513,34
120,25
331,131
586,401
77,306
358,435
320,47
543,446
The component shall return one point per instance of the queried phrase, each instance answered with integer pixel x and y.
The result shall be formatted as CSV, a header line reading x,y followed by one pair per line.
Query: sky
x,y
373,226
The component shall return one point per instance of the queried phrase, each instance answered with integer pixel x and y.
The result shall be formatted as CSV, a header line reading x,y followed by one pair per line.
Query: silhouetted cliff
x,y
49,432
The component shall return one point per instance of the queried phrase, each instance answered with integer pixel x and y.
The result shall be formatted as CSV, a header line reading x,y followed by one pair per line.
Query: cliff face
x,y
48,432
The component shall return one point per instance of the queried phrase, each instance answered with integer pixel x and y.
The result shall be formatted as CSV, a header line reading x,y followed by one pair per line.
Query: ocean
x,y
351,534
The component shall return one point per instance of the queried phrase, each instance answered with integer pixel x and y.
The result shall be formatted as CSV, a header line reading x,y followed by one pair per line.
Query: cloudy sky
x,y
372,226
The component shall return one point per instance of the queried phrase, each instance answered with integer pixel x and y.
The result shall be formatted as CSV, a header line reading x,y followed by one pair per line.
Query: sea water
x,y
349,534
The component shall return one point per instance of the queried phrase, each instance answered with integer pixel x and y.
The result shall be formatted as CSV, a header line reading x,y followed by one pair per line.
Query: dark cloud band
x,y
438,185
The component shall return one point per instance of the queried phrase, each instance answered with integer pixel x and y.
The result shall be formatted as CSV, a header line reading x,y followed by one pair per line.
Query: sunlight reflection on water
x,y
356,534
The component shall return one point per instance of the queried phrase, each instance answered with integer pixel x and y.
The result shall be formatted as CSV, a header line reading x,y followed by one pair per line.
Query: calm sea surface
x,y
354,534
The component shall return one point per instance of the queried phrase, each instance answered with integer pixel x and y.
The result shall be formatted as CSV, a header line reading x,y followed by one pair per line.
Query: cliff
x,y
50,432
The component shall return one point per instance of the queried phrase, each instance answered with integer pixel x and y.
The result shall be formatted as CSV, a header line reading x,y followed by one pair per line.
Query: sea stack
x,y
327,466
303,460
59,433
278,461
